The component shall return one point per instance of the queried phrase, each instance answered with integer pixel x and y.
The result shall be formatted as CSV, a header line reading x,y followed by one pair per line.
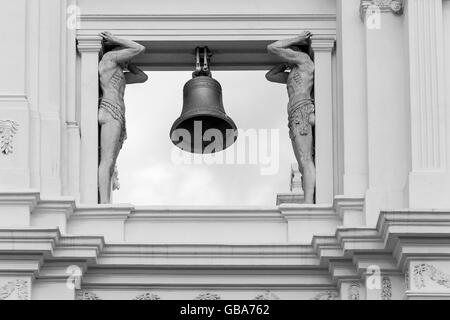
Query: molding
x,y
207,17
215,27
267,296
107,212
426,296
147,296
208,296
86,295
20,198
394,6
342,204
308,212
343,271
401,237
290,198
89,43
329,295
323,43
206,214
64,206
8,129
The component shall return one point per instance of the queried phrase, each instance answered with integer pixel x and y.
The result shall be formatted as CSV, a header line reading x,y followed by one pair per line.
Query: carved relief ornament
x,y
8,128
18,289
395,6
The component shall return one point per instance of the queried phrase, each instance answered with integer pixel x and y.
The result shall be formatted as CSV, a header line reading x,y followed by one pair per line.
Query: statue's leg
x,y
303,149
110,132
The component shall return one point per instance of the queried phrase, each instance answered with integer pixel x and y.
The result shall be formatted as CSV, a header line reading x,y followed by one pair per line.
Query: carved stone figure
x,y
116,71
298,74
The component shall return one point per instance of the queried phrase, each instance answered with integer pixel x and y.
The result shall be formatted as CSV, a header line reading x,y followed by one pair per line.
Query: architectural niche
x,y
423,271
395,6
8,128
86,295
267,296
329,295
386,289
208,296
147,296
18,287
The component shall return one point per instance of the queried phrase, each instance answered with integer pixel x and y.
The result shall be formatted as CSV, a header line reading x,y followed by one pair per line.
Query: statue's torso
x,y
112,82
300,82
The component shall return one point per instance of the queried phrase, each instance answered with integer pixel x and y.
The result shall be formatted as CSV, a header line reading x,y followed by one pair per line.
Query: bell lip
x,y
217,115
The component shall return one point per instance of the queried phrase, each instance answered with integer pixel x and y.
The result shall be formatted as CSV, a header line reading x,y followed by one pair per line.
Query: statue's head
x,y
304,48
108,47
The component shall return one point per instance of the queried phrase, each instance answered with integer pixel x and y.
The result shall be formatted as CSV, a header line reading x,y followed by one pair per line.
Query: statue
x,y
298,74
116,71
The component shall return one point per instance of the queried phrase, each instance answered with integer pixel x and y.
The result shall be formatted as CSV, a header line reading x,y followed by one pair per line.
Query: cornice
x,y
209,17
12,197
400,236
260,214
89,43
323,43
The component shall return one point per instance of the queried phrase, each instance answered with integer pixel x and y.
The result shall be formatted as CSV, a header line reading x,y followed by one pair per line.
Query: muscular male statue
x,y
116,71
301,110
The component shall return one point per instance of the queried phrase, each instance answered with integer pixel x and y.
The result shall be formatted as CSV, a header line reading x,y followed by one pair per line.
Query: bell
x,y
203,126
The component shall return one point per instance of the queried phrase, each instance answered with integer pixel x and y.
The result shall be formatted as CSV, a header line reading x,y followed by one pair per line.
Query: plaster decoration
x,y
148,296
208,296
267,296
424,270
408,285
353,292
329,295
8,128
395,6
86,295
18,287
386,289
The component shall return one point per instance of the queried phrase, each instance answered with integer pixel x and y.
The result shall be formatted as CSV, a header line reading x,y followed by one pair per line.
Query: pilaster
x,y
387,108
429,179
89,48
323,83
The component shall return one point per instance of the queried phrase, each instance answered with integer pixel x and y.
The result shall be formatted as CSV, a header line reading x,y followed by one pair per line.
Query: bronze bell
x,y
202,111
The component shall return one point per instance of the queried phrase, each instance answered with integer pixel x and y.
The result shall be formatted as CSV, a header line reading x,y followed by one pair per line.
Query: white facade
x,y
380,229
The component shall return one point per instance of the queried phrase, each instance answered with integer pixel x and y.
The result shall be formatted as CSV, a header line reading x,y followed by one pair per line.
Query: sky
x,y
152,171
